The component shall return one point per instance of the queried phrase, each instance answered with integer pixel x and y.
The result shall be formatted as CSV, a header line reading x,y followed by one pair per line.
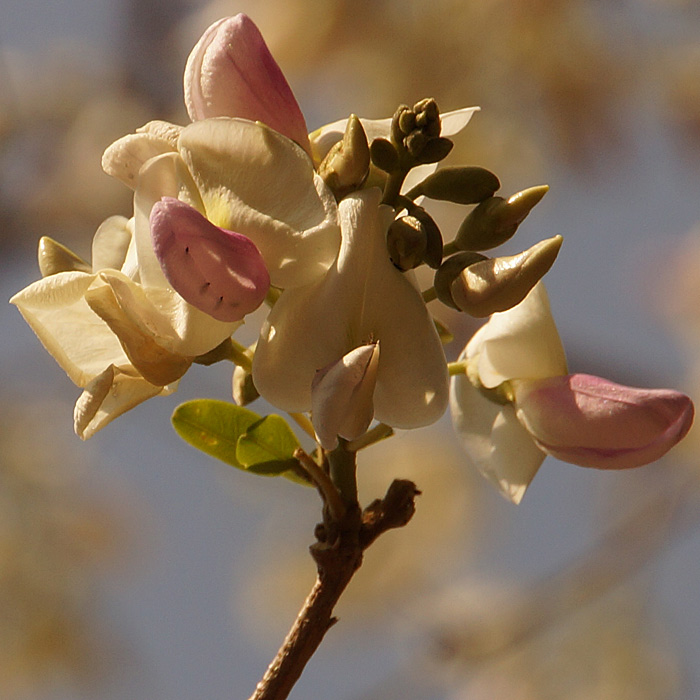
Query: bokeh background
x,y
133,567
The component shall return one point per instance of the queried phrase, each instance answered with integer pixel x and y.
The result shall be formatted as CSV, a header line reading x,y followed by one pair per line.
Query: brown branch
x,y
338,555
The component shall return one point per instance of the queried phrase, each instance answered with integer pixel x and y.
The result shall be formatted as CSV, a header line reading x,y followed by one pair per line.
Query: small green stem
x,y
343,469
455,368
450,248
379,432
429,294
392,188
238,354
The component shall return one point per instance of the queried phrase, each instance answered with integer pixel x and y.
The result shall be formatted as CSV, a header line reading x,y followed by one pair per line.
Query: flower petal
x,y
262,185
56,310
125,157
494,440
341,396
231,73
520,343
362,299
162,176
593,422
107,396
111,243
220,272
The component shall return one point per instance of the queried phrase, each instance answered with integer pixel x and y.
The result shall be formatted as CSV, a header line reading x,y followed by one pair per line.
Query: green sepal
x,y
267,447
54,257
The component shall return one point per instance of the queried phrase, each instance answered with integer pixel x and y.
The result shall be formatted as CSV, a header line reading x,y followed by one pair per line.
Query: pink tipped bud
x,y
342,396
592,422
217,271
231,73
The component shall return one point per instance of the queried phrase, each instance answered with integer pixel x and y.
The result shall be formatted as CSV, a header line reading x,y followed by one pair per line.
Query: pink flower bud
x,y
217,271
231,73
593,422
342,396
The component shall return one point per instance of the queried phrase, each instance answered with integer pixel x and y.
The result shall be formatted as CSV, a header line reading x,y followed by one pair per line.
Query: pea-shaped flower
x,y
515,404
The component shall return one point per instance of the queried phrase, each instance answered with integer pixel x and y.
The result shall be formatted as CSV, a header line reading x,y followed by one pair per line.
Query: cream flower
x,y
122,341
362,299
515,403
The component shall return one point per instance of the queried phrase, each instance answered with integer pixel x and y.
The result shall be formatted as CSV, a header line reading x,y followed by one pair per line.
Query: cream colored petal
x,y
257,182
78,339
494,440
362,299
163,176
520,343
110,394
111,243
166,317
125,157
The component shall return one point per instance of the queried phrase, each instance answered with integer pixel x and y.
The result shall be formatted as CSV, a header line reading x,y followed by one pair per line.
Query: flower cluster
x,y
243,207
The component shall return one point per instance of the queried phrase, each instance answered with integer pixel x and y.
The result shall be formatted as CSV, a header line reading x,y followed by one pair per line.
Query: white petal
x,y
78,339
163,176
494,440
362,299
110,394
163,314
259,183
111,243
124,158
521,343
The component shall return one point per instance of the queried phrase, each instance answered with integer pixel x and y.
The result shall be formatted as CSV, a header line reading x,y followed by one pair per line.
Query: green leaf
x,y
267,446
213,427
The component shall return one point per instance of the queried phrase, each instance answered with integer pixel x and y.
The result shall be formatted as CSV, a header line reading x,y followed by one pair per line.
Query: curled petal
x,y
111,243
219,272
520,343
125,157
107,396
363,298
341,396
231,73
493,439
593,422
254,181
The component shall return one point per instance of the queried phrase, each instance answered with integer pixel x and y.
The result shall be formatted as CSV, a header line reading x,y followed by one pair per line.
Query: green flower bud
x,y
54,257
496,219
384,156
462,185
435,150
498,284
406,241
346,165
433,237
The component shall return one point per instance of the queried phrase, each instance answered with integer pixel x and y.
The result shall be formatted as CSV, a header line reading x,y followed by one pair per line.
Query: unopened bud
x,y
496,219
342,396
406,241
244,391
384,156
499,284
55,257
346,165
433,238
449,271
462,185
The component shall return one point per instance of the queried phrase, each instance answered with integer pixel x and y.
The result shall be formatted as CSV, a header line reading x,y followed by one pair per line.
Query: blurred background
x,y
134,567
